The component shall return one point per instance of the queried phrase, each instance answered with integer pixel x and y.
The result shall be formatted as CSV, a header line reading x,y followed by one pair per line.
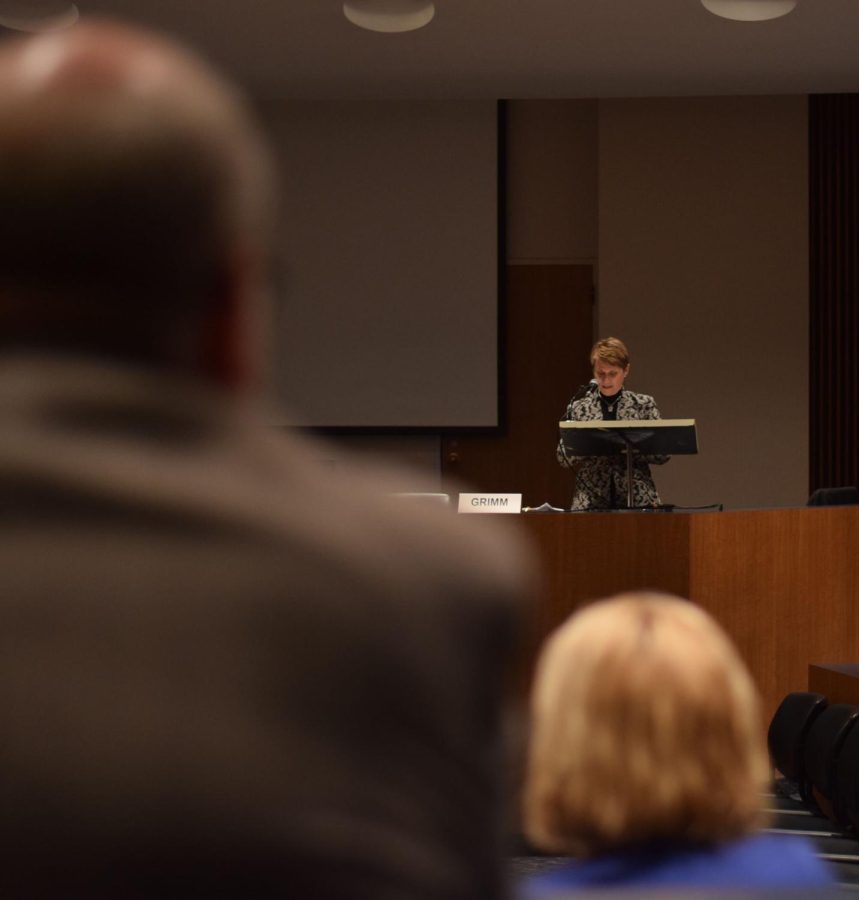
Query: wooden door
x,y
547,338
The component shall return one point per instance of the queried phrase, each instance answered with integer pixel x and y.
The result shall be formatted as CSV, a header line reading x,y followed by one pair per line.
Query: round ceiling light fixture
x,y
38,15
750,10
389,16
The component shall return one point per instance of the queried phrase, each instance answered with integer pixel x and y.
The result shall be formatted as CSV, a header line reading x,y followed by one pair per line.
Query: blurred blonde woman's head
x,y
645,726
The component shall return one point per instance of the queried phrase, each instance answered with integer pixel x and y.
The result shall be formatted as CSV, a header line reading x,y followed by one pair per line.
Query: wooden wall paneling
x,y
548,335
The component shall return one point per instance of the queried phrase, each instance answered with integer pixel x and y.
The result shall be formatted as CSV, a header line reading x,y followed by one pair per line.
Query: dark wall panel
x,y
833,124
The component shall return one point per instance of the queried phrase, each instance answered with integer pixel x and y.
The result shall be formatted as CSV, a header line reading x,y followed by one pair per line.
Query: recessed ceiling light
x,y
37,15
389,15
749,10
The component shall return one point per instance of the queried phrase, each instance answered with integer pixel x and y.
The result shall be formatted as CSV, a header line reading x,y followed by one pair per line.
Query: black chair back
x,y
837,496
822,751
789,729
846,796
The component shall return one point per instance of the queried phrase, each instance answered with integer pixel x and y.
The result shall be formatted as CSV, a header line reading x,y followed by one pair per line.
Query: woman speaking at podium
x,y
601,480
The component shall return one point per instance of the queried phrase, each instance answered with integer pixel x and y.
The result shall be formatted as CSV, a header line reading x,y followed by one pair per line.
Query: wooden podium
x,y
784,583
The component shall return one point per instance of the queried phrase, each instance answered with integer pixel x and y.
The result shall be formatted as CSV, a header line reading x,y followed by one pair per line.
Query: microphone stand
x,y
628,451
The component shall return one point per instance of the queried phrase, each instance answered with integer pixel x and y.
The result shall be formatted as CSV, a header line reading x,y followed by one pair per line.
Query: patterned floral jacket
x,y
601,480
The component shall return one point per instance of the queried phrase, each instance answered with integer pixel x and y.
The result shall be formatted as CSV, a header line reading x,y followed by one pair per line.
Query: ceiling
x,y
515,48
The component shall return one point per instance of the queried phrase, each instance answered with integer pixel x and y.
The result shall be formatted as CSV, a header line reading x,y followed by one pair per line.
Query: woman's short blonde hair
x,y
645,726
611,351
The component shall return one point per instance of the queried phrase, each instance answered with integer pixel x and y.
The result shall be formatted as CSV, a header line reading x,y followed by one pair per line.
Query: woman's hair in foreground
x,y
646,727
611,351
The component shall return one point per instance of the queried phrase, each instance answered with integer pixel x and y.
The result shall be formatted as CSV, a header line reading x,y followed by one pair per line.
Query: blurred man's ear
x,y
229,353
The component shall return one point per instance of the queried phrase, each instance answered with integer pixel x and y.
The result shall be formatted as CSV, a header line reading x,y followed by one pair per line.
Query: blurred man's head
x,y
134,203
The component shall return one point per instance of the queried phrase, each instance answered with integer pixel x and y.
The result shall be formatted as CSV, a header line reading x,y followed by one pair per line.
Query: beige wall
x,y
552,181
703,269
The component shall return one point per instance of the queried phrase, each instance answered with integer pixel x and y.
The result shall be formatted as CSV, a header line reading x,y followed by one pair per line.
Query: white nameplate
x,y
490,503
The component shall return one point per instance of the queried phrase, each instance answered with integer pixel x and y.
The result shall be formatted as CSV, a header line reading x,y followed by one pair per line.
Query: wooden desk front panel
x,y
838,683
784,583
589,556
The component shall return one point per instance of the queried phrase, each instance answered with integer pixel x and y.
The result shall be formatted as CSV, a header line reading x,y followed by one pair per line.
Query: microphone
x,y
584,389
